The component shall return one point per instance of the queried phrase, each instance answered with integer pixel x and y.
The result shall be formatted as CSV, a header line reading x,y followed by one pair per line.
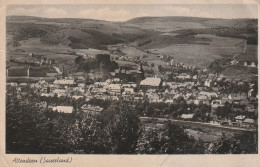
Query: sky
x,y
128,11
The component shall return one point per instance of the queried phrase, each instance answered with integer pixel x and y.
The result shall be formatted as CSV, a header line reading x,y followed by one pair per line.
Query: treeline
x,y
93,39
224,32
101,63
117,130
23,31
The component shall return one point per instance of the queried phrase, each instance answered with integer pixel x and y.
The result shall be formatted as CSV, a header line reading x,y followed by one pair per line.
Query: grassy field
x,y
189,40
168,26
133,52
202,55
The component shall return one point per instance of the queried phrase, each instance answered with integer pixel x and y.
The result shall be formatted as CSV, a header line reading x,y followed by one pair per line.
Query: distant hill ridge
x,y
143,32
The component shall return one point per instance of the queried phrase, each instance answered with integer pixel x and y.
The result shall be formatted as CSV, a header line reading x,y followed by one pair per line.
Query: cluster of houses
x,y
250,64
131,85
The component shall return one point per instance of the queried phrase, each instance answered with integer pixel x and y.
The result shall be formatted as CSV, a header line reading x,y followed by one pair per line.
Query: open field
x,y
189,40
203,55
133,52
168,26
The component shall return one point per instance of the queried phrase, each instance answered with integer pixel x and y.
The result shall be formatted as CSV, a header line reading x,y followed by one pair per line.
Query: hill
x,y
209,22
76,33
191,40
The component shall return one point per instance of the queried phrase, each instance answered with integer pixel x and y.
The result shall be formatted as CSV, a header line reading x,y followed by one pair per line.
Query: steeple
x,y
140,69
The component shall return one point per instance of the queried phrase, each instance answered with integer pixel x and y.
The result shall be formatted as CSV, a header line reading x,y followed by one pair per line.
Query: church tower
x,y
140,73
141,70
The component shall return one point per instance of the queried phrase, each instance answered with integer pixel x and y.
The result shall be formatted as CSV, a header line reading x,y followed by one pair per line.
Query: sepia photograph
x,y
131,79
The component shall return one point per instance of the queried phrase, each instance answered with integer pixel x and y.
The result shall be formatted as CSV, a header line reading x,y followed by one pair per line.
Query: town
x,y
142,85
226,102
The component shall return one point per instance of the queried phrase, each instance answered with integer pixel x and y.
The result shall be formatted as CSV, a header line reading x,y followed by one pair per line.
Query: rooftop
x,y
64,82
65,109
151,82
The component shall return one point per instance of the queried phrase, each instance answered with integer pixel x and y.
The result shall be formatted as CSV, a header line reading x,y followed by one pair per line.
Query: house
x,y
129,90
184,76
129,85
240,118
114,98
246,63
209,94
100,84
65,82
138,98
215,104
208,82
30,54
151,83
248,122
187,116
202,97
14,84
61,94
195,77
114,89
98,90
253,64
154,97
77,97
252,93
57,91
23,84
205,70
82,85
250,64
63,109
47,94
169,101
221,77
237,97
91,109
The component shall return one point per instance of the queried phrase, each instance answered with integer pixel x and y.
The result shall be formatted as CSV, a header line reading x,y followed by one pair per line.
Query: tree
x,y
79,59
123,130
238,144
171,139
85,135
160,68
24,129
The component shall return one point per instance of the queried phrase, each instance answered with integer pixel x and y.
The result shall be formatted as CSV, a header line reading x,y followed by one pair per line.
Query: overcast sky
x,y
126,12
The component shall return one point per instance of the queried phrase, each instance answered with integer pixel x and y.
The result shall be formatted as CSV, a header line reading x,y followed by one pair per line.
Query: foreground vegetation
x,y
117,130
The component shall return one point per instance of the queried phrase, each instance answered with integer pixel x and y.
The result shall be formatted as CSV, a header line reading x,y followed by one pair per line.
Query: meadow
x,y
189,40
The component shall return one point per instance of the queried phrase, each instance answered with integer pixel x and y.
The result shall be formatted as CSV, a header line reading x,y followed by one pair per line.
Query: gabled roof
x,y
65,109
64,82
240,117
151,82
248,120
187,116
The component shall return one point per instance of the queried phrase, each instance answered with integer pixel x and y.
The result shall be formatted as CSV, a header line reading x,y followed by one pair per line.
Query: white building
x,y
63,109
151,83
